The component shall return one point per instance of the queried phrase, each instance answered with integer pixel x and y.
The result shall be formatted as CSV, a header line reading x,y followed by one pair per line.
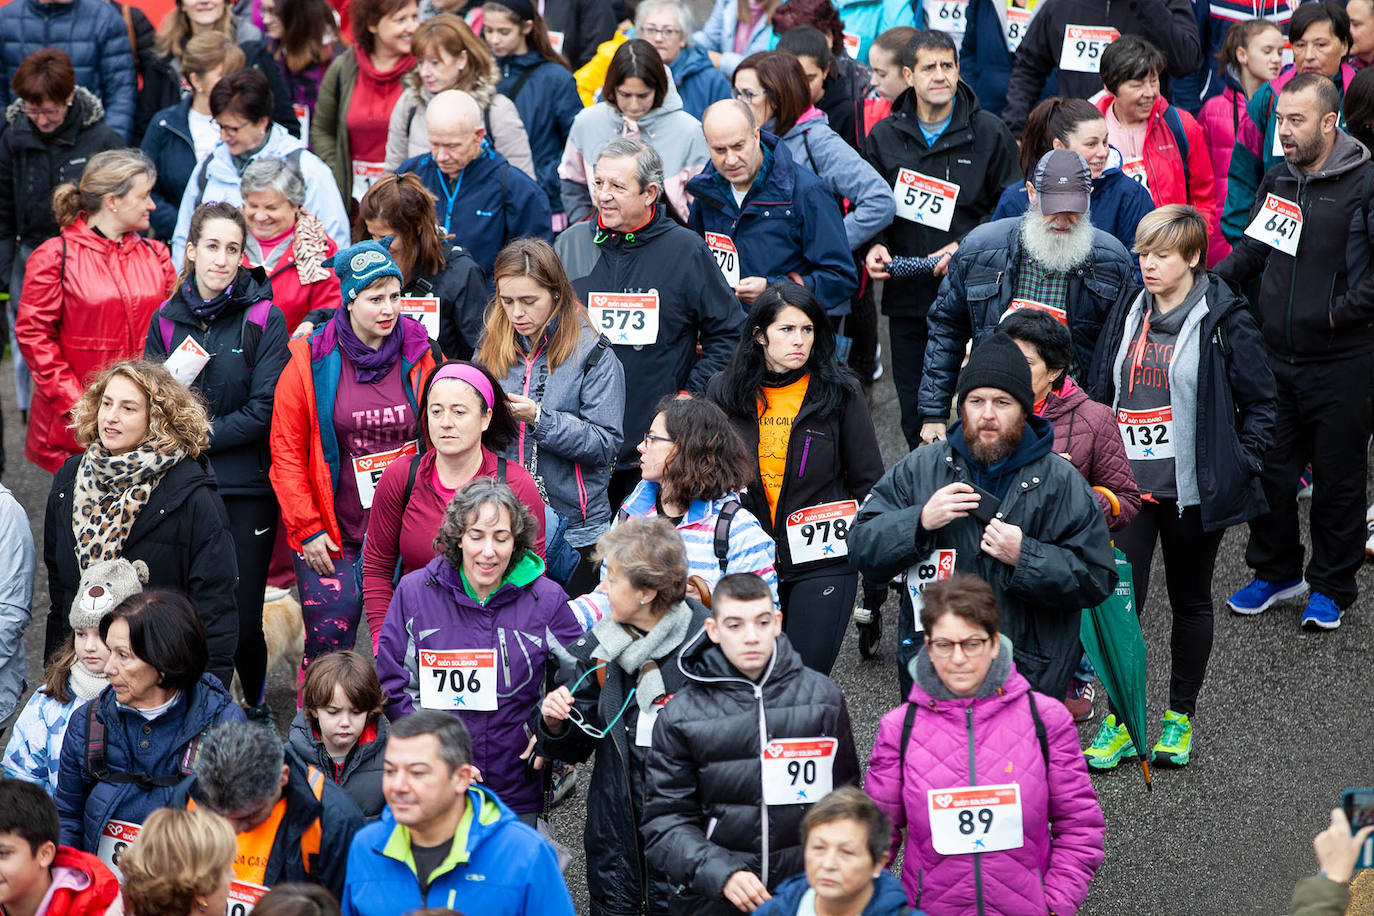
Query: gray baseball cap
x,y
1063,182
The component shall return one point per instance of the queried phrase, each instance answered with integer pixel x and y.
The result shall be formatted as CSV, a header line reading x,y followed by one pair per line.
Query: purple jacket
x,y
431,610
990,740
1086,431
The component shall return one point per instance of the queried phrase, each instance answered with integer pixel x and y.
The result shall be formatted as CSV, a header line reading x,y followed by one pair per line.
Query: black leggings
x,y
253,524
815,614
1190,559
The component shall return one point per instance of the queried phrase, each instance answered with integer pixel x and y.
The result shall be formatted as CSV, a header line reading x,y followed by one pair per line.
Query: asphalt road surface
x,y
1283,725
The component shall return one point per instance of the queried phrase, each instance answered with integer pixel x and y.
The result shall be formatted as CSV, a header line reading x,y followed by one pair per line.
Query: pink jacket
x,y
990,740
1220,118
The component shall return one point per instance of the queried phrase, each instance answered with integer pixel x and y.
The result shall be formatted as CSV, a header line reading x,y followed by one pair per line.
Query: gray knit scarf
x,y
635,654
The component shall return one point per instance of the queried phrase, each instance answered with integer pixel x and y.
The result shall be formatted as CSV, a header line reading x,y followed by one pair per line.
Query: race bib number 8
x,y
1148,434
925,200
629,319
798,771
939,565
1083,47
821,532
973,819
1278,224
114,839
458,679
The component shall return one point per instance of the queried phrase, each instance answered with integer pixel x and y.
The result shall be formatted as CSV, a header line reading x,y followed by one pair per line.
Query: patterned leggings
x,y
331,605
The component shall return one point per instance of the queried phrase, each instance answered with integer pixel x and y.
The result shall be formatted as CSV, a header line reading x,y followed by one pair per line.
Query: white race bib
x,y
114,839
852,43
367,470
644,728
971,819
365,175
1148,434
726,254
925,200
821,532
186,361
1134,169
1018,23
628,319
303,115
1277,148
1083,47
939,565
556,39
798,771
1016,305
949,16
243,896
1278,224
424,309
458,679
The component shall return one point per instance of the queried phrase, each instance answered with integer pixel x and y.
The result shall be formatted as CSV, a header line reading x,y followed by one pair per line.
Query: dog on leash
x,y
284,632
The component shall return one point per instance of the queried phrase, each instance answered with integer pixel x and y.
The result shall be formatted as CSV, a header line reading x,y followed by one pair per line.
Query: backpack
x,y
96,767
721,538
1175,123
1040,736
410,488
250,333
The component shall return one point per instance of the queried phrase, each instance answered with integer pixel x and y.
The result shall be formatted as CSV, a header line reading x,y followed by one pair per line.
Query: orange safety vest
x,y
255,846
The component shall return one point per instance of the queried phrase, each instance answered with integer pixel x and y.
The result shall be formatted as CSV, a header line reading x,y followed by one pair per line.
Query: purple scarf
x,y
407,340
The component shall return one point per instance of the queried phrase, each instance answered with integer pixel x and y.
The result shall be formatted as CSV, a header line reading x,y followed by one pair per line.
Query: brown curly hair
x,y
177,418
178,856
708,458
465,506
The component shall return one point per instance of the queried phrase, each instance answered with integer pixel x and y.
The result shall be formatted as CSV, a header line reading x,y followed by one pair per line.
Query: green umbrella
x,y
1112,638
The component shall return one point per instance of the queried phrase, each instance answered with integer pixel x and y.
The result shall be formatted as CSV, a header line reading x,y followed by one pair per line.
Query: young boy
x,y
752,732
37,876
340,728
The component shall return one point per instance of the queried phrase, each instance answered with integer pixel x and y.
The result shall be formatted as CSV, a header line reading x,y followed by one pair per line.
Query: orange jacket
x,y
305,453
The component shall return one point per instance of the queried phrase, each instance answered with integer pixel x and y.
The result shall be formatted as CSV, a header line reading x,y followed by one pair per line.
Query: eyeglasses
x,y
652,32
749,95
50,111
944,648
650,437
232,129
575,717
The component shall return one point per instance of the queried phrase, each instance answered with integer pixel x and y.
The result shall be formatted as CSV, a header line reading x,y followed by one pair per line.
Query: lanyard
x,y
450,198
1138,359
529,365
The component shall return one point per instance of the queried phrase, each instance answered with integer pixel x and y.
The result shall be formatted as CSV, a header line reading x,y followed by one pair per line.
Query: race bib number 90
x,y
798,771
821,532
925,200
458,679
972,819
1083,47
628,319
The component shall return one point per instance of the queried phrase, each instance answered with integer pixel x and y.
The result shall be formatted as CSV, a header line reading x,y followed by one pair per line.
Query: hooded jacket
x,y
491,204
407,135
81,886
331,813
674,134
870,18
360,773
329,129
718,34
985,59
295,298
1220,119
698,82
696,308
434,610
1320,304
618,878
705,818
889,899
788,223
1170,179
91,33
16,597
87,301
496,865
32,164
132,745
1167,24
1086,431
35,744
976,152
222,177
169,144
848,175
237,387
989,739
977,292
547,100
182,533
1066,561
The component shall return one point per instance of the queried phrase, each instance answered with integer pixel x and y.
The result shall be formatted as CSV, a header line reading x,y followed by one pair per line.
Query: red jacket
x,y
81,886
1164,172
295,298
86,303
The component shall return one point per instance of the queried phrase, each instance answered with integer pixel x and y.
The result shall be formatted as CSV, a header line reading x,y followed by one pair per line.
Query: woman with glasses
x,y
971,719
623,673
473,631
667,25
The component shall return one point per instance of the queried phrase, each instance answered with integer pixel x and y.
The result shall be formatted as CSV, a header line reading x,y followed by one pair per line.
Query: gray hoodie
x,y
848,175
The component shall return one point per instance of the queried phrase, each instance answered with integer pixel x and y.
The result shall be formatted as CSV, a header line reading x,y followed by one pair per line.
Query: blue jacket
x,y
984,61
789,223
698,83
168,143
870,18
718,34
92,33
492,204
497,866
547,101
86,805
889,899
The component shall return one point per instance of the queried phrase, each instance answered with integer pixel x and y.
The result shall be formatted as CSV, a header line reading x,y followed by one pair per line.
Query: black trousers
x,y
861,326
815,614
1322,419
1190,558
907,336
253,524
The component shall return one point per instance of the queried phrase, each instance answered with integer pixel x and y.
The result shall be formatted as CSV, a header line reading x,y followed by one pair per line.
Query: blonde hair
x,y
110,172
1174,227
177,419
450,34
178,856
176,28
533,258
650,553
208,50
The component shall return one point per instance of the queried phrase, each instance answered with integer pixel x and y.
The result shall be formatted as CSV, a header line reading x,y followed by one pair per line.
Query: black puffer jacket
x,y
615,799
33,164
703,819
360,774
238,386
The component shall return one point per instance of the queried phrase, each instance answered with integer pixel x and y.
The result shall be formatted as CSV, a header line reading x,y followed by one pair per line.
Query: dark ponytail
x,y
1055,118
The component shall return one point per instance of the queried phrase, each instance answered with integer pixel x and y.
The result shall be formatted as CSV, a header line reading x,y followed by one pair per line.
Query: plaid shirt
x,y
1037,284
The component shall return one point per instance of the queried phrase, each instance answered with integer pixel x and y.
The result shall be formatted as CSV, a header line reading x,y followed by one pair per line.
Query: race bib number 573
x,y
629,319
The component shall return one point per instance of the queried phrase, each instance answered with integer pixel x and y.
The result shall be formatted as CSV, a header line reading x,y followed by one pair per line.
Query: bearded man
x,y
995,501
1050,258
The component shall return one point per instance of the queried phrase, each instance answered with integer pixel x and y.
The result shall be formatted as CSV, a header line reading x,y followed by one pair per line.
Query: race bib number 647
x,y
1278,224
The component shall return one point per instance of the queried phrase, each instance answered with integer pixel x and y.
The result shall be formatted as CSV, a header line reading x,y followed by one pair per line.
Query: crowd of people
x,y
530,342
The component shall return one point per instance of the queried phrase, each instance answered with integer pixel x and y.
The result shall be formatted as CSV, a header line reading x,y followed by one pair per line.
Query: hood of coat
x,y
809,119
702,661
1064,401
279,144
181,480
1037,441
965,104
598,125
927,680
774,183
491,815
250,285
1347,154
519,63
306,743
658,225
523,573
483,90
691,60
198,708
87,110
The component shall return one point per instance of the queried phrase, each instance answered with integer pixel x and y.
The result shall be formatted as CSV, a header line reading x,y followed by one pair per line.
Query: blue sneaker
x,y
1321,613
1256,597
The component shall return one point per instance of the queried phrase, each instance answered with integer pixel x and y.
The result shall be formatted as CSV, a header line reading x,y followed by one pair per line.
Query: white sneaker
x,y
862,616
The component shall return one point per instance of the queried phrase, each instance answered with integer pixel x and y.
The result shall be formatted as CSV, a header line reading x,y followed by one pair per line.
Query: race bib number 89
x,y
972,819
939,565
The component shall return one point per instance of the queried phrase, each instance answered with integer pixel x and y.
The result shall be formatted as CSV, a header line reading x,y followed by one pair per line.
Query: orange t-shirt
x,y
775,432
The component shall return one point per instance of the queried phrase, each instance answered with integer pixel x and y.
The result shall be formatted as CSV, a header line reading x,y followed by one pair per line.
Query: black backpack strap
x,y
908,721
410,479
203,179
1039,730
594,356
727,515
500,469
486,122
95,746
519,84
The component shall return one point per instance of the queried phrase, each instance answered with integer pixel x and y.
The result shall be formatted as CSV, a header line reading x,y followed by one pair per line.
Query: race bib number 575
x,y
925,200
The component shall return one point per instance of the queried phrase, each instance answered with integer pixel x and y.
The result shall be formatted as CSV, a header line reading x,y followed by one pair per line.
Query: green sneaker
x,y
1175,740
1111,744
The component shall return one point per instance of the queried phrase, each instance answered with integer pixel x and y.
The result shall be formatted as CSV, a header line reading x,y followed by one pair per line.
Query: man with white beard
x,y
1050,258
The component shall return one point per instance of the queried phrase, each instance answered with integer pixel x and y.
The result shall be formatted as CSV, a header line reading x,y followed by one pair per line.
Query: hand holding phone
x,y
1355,817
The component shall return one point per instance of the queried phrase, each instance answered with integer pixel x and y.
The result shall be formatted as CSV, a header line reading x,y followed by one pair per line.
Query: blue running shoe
x,y
1257,597
1321,613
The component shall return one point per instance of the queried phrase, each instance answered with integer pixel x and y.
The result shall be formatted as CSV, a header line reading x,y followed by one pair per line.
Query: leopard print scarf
x,y
110,492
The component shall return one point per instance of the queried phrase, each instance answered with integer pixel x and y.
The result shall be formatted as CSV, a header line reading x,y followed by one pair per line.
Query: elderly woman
x,y
286,240
631,652
667,25
126,750
142,489
844,841
474,632
1024,743
181,865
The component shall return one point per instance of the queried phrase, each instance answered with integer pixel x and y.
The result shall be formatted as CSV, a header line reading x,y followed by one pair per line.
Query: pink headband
x,y
470,374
